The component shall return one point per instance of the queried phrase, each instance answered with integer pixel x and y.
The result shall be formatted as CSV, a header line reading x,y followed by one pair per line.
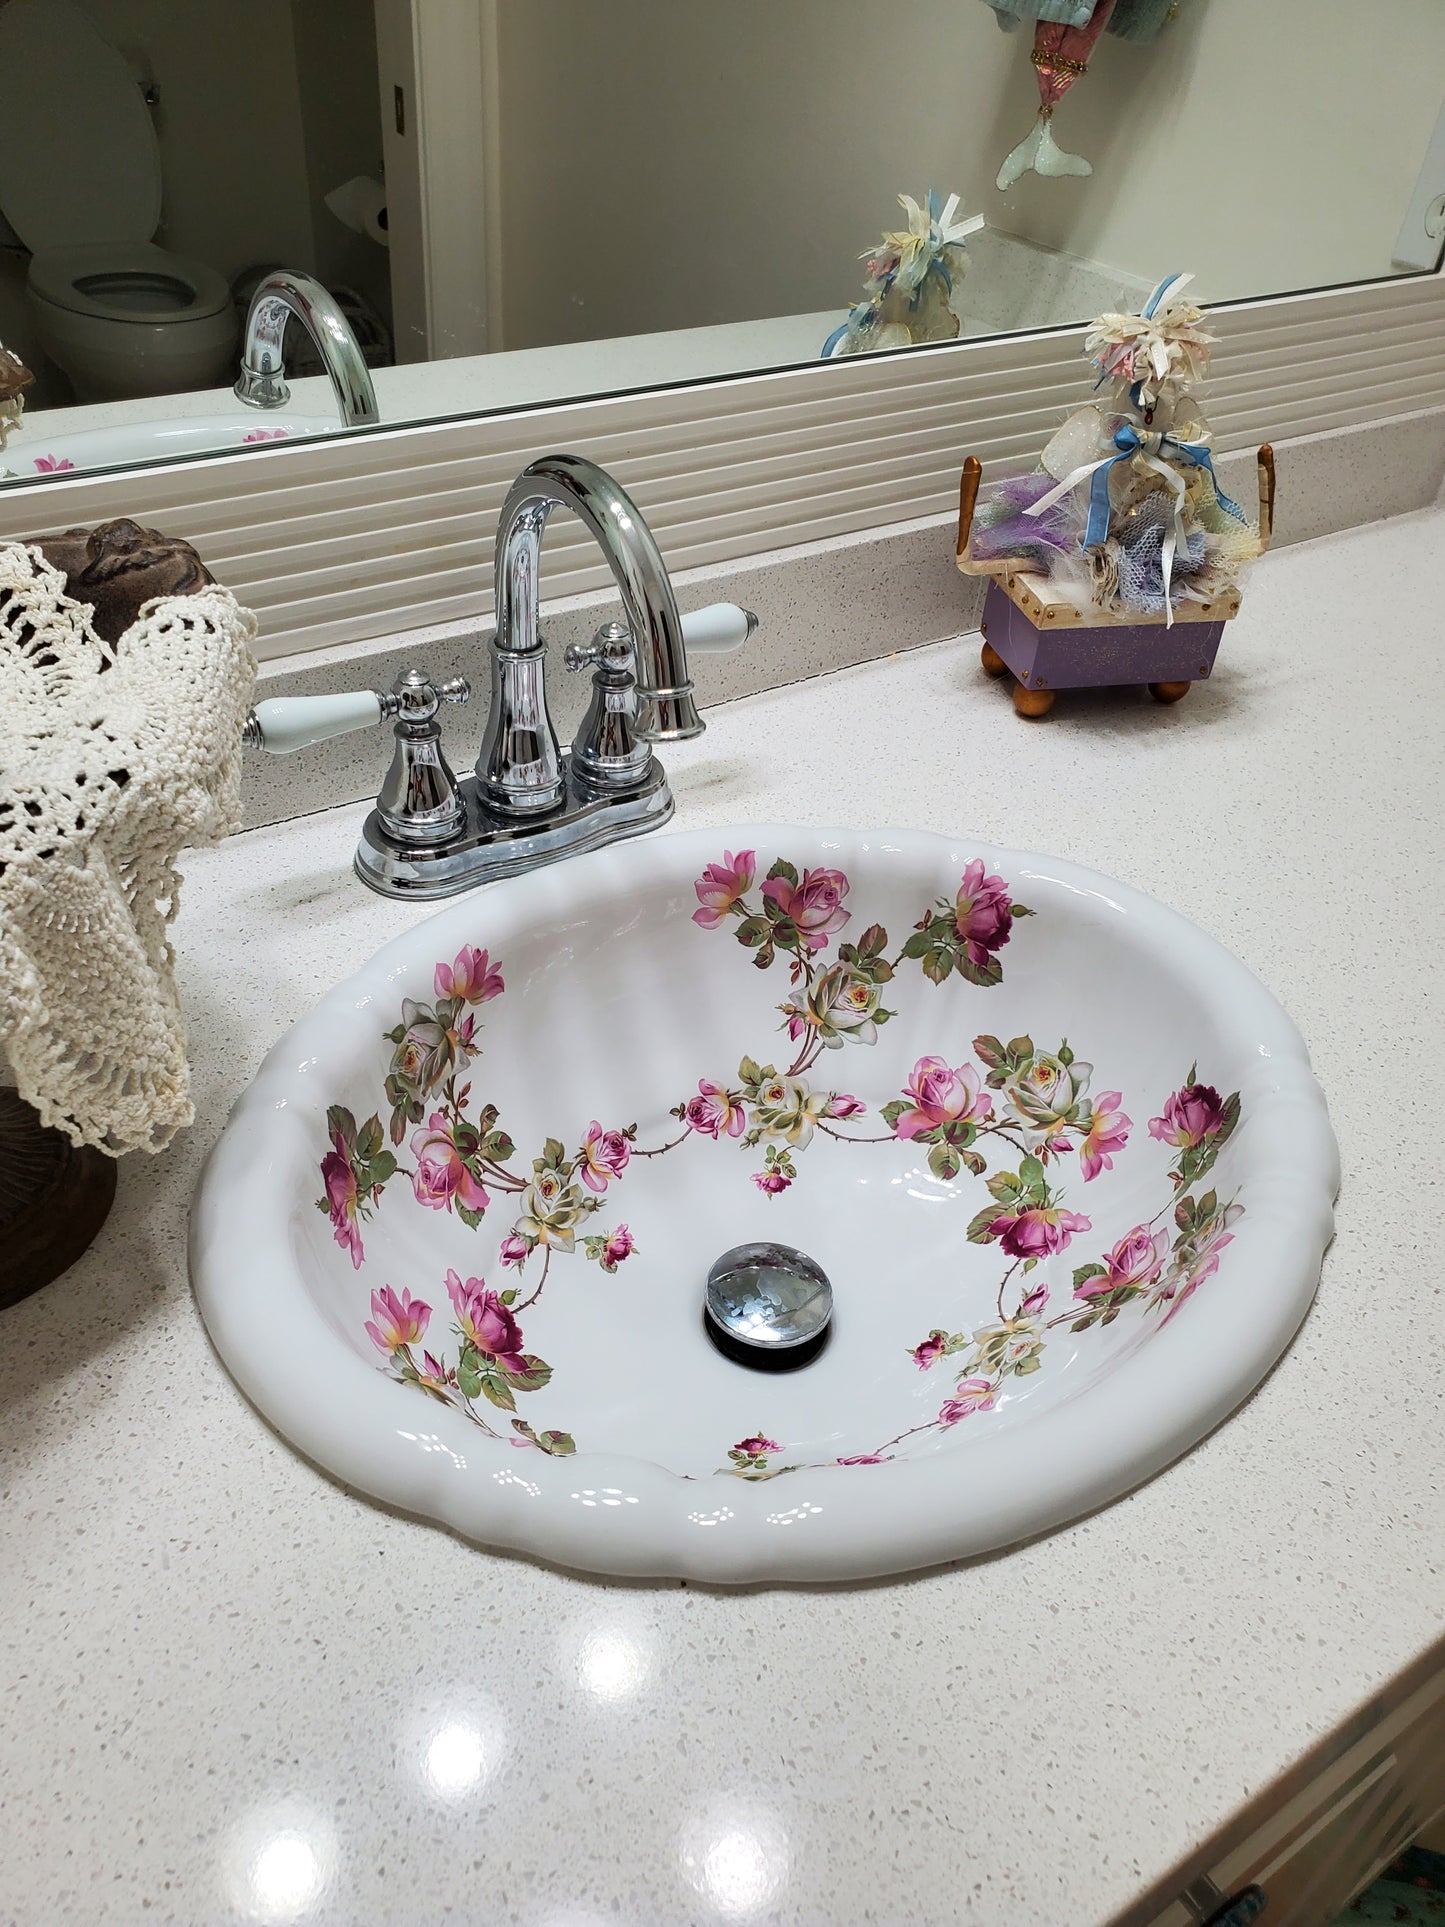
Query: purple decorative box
x,y
1074,656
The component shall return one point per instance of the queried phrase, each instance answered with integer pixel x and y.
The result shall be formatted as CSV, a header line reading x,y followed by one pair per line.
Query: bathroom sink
x,y
38,454
1061,1157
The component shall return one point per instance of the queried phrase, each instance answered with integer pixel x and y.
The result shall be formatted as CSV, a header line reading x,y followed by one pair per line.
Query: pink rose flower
x,y
771,1182
1108,1132
604,1156
1040,1232
394,1321
941,1096
619,1245
434,1368
52,464
815,906
843,1105
862,1458
341,1199
514,1249
265,435
1035,1302
1134,1263
1190,1116
983,913
969,1395
441,1179
721,884
487,1322
930,1351
712,1111
473,978
1198,1264
756,1446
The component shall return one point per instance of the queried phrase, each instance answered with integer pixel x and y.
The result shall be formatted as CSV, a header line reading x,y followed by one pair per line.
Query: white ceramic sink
x,y
1061,1156
39,454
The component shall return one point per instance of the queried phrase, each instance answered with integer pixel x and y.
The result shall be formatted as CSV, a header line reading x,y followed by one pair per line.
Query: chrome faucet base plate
x,y
489,847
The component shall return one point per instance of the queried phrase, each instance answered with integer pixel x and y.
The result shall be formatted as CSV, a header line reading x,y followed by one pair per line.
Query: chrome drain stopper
x,y
768,1306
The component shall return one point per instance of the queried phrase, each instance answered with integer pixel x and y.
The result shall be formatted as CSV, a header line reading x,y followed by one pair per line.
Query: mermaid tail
x,y
1060,57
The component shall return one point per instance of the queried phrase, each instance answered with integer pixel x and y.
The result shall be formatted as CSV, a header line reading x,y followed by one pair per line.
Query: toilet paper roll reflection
x,y
360,204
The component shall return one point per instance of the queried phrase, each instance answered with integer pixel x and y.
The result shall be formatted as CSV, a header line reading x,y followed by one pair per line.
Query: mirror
x,y
513,202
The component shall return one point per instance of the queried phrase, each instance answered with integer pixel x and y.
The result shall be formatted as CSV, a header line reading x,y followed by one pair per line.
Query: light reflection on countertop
x,y
736,1861
280,1860
239,1692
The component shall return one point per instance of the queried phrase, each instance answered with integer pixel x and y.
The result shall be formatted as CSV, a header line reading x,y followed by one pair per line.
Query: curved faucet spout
x,y
520,764
262,382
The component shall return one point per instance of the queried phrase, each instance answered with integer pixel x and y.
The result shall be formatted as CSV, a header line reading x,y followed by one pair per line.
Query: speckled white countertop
x,y
232,1690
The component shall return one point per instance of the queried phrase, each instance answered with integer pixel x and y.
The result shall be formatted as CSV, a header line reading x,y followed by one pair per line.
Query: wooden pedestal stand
x,y
1035,632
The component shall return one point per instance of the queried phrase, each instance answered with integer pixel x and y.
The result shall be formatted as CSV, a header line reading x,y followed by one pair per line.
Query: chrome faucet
x,y
262,381
528,802
520,767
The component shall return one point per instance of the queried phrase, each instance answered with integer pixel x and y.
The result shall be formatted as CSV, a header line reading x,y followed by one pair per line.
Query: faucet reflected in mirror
x,y
262,381
528,802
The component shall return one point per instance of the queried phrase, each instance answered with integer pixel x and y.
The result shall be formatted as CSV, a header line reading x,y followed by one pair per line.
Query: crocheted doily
x,y
114,757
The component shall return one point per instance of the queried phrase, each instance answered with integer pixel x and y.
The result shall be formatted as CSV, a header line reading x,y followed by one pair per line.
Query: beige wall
x,y
341,127
1268,144
671,163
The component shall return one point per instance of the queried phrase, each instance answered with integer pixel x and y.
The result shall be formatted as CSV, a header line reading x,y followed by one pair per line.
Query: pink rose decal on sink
x,y
396,1320
970,1396
1039,1232
603,1156
341,1200
611,1248
982,913
486,1323
1198,1123
1190,1116
722,886
813,907
52,464
941,1096
1108,1132
443,1177
472,978
1133,1265
1027,1107
716,1112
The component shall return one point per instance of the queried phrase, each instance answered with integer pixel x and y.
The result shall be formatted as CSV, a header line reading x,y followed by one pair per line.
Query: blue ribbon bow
x,y
1129,441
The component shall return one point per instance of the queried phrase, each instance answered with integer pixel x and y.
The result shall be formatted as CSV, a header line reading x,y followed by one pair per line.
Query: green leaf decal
x,y
944,1162
534,1378
980,1230
496,1389
938,966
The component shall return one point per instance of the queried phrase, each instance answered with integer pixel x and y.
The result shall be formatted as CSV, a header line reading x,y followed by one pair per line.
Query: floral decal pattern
x,y
1022,1118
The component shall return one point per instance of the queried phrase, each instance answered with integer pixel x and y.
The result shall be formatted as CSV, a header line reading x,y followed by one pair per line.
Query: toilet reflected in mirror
x,y
121,316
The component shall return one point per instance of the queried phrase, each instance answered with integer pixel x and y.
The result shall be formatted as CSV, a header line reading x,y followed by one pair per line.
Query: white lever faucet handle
x,y
718,629
288,723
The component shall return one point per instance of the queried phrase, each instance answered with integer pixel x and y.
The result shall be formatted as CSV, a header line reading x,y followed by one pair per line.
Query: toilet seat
x,y
132,281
